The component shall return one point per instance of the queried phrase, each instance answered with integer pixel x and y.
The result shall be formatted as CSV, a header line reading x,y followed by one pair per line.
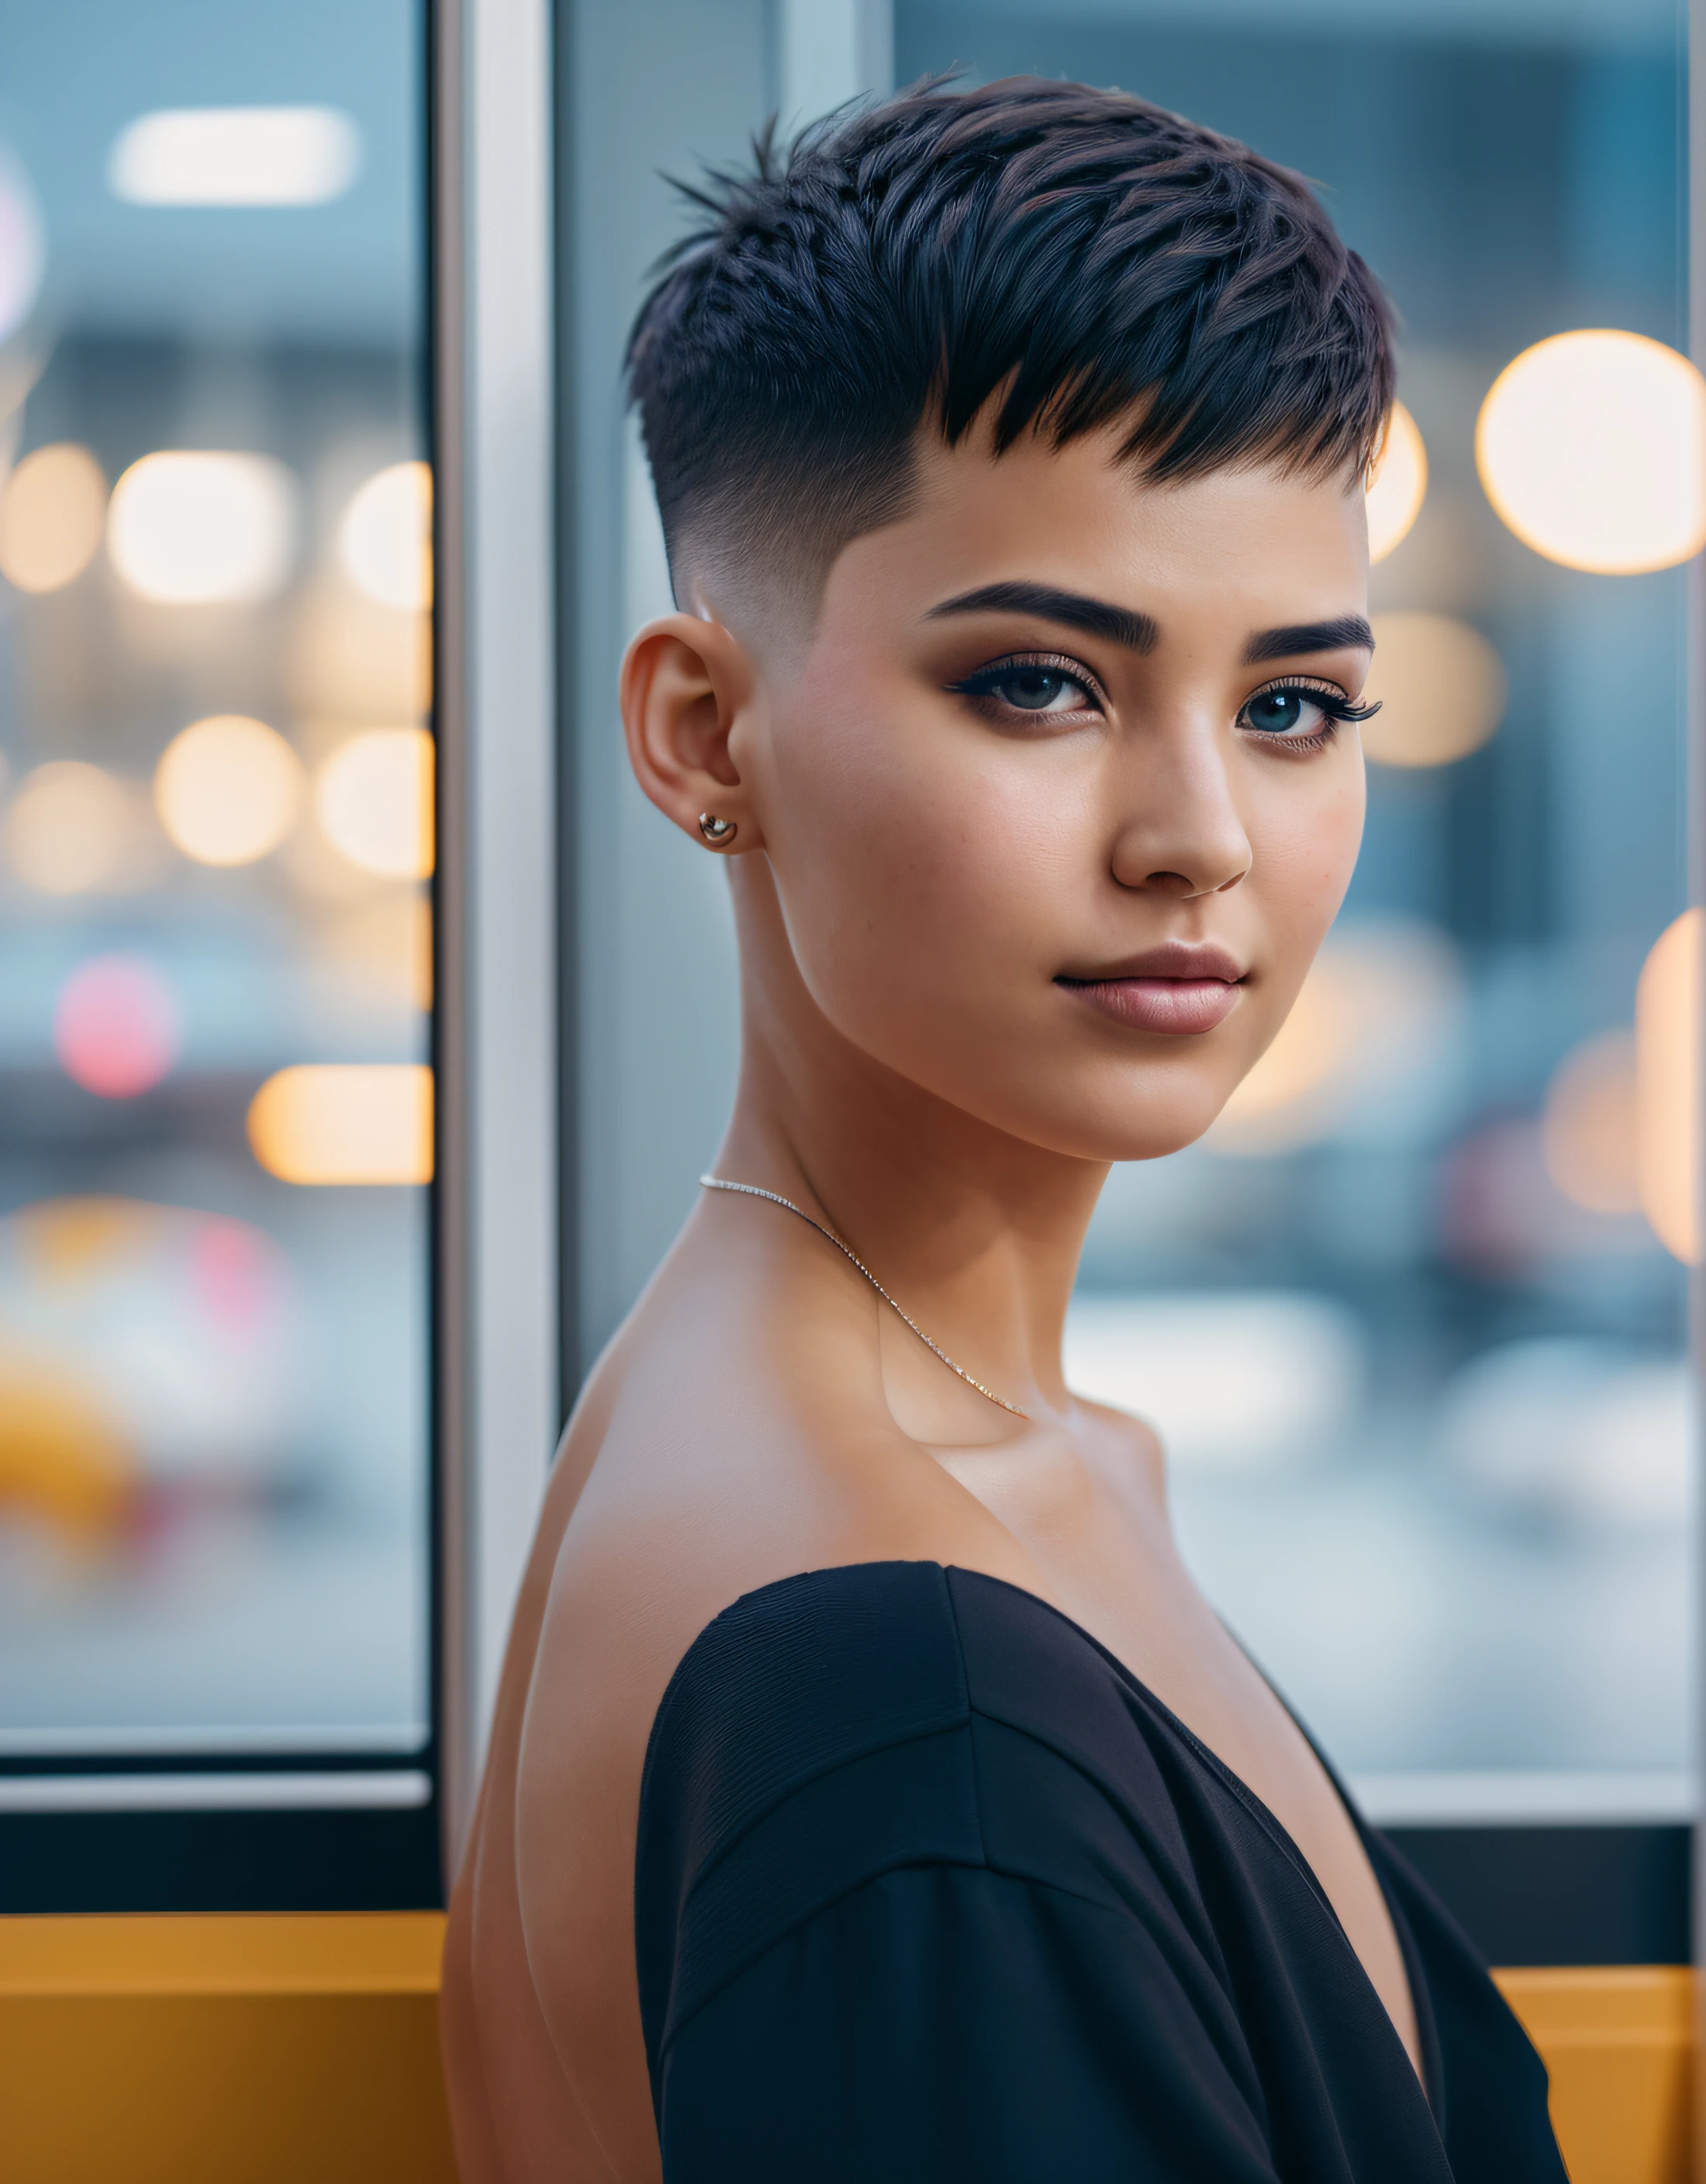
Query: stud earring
x,y
719,833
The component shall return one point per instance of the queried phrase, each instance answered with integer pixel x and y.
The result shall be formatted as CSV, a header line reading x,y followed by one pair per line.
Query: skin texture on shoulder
x,y
1039,821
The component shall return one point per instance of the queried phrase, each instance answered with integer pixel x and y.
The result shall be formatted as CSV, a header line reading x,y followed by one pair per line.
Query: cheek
x,y
1305,851
898,843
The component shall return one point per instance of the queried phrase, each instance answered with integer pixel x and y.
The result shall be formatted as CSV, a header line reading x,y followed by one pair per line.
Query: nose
x,y
1180,832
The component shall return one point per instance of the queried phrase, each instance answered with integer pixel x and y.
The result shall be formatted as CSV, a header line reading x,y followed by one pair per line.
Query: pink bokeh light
x,y
115,1026
234,1277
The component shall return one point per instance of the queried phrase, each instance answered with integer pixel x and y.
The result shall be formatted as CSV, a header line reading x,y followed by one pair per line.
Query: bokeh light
x,y
1398,484
382,950
373,798
228,789
1668,1084
23,247
146,1351
51,517
1441,689
1592,446
68,828
1588,1131
187,527
352,660
1301,1371
385,539
116,1025
345,1123
63,1458
235,155
1575,1427
1369,1043
1310,1044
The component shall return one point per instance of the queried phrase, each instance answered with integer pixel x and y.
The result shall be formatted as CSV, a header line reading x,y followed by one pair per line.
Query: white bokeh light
x,y
385,540
373,798
228,789
1398,484
189,528
1299,1383
235,155
1592,446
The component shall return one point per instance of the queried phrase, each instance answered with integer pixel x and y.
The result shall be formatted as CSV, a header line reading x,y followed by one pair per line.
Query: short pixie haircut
x,y
1067,259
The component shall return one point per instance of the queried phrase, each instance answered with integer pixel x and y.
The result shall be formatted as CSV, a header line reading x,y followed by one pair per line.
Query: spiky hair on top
x,y
1067,260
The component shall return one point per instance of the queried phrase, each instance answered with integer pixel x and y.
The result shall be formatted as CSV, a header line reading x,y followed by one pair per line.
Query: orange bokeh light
x,y
345,1123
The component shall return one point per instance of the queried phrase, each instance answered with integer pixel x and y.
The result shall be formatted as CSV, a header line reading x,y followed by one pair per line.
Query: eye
x,y
1040,690
1298,713
1042,687
1283,713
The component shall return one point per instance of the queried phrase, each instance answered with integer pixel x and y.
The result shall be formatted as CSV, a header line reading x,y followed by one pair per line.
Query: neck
x,y
977,1233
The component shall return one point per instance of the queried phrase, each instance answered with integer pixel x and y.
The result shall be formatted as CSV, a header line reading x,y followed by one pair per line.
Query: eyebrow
x,y
1291,642
1122,626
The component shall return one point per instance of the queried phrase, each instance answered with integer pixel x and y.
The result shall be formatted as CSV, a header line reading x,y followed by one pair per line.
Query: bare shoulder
x,y
708,1483
689,1503
681,1515
742,1438
1127,1440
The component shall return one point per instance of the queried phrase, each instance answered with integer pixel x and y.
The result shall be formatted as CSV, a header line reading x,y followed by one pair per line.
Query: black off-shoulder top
x,y
929,1887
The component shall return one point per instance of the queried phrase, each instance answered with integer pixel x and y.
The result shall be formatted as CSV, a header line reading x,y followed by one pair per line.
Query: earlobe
x,y
684,684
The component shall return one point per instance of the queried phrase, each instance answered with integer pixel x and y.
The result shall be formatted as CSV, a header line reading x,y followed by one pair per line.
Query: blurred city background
x,y
1407,1317
1412,1317
215,839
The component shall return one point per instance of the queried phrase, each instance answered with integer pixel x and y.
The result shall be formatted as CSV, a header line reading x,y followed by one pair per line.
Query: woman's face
x,y
1055,801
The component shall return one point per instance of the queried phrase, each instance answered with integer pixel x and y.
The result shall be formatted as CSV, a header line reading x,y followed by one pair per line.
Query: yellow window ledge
x,y
265,2049
229,2050
1619,2046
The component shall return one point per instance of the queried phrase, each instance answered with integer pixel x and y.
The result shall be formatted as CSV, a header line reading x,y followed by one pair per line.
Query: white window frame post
x,y
497,1335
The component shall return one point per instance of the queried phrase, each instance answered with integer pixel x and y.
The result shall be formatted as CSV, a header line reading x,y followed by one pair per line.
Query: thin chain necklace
x,y
752,1190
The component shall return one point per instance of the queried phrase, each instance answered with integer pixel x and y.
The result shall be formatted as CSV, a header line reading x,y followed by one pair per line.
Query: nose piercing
x,y
719,833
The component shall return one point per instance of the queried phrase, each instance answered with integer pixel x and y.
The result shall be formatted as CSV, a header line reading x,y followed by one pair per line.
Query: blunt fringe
x,y
1078,257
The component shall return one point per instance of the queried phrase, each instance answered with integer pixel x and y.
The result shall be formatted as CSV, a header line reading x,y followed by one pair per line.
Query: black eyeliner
x,y
977,684
1333,703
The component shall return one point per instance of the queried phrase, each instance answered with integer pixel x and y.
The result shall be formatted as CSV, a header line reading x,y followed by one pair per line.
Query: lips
x,y
1180,989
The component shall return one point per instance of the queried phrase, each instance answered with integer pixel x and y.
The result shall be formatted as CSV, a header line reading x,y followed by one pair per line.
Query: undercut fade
x,y
1064,258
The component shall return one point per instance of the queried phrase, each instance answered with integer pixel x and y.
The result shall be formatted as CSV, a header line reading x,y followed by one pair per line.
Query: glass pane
x,y
215,844
1411,1317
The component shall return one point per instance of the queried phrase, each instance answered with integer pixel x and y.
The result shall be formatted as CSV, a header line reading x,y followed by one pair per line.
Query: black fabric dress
x,y
929,1887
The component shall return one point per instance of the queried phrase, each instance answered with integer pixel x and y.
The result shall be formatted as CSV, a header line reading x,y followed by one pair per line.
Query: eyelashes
x,y
1332,700
1277,713
1033,684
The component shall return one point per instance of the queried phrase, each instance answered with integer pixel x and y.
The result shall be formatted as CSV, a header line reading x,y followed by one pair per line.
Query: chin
x,y
1147,1114
1152,1135
1104,1122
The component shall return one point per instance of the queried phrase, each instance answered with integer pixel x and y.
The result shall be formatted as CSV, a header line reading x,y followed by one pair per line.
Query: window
x,y
1413,1316
217,789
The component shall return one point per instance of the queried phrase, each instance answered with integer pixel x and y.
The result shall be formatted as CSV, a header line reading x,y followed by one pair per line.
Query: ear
x,y
685,684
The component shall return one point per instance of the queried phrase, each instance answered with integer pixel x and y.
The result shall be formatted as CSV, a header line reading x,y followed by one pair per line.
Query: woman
x,y
871,1792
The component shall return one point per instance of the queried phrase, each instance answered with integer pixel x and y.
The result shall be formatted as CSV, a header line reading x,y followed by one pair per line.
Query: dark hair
x,y
1084,257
